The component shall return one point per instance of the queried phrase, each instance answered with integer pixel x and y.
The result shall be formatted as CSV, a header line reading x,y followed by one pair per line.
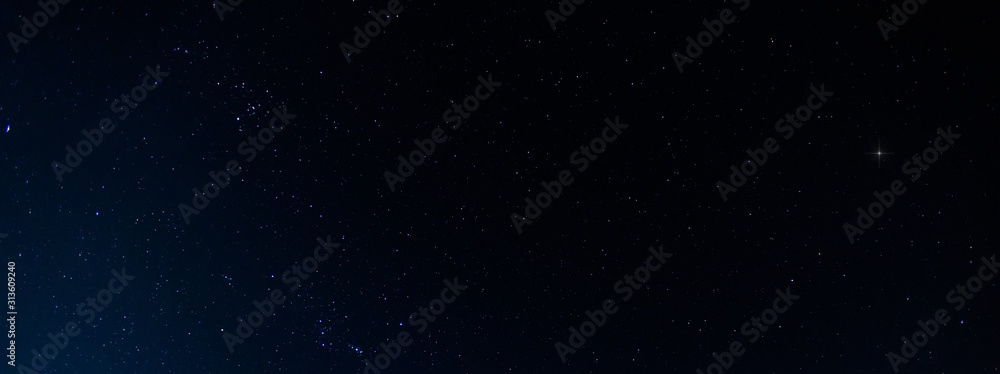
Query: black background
x,y
655,185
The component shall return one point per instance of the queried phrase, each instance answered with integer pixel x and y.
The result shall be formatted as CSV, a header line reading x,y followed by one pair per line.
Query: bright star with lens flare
x,y
879,153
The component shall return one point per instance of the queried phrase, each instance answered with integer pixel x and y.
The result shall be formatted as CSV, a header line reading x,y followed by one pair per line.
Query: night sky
x,y
500,187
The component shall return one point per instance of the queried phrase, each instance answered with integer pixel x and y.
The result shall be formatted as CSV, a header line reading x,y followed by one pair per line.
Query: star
x,y
879,153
